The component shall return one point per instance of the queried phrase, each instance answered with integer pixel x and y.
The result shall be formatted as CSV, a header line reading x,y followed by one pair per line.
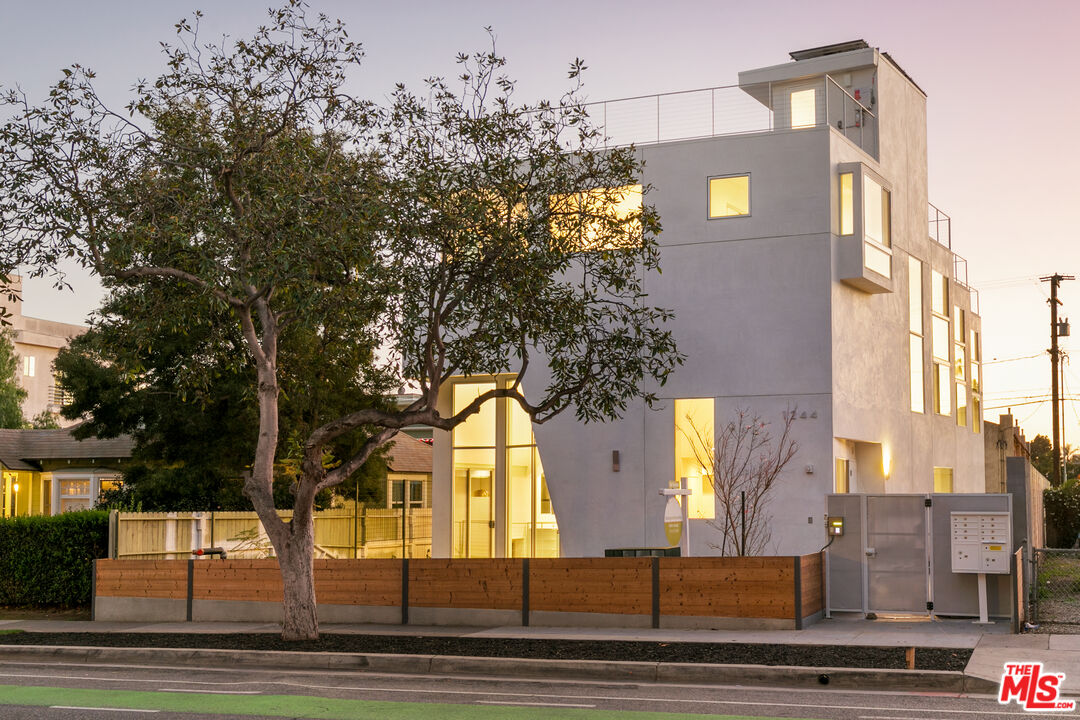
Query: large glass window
x,y
875,220
488,463
941,342
474,469
729,196
600,219
694,441
960,366
804,108
532,530
876,212
975,352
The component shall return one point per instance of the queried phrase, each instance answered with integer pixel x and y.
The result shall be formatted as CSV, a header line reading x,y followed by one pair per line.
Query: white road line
x,y
212,692
103,709
532,704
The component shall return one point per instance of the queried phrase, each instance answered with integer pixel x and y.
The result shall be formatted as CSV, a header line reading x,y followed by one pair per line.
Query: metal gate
x,y
897,560
1055,592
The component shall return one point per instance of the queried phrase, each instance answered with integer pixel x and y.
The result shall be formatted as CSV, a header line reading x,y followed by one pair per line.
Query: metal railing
x,y
940,231
720,111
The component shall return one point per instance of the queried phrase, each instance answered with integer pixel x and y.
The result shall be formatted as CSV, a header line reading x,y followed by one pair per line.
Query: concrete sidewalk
x,y
992,645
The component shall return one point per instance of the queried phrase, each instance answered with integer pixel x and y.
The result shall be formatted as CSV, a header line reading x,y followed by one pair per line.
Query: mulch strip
x,y
685,652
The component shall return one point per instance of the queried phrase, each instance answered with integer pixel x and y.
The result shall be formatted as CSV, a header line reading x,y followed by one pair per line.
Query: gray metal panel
x,y
846,555
958,593
896,530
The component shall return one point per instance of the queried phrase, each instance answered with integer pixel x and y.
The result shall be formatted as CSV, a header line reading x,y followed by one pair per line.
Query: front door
x,y
897,563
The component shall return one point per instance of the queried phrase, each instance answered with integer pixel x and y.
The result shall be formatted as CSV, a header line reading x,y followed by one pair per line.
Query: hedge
x,y
48,561
1062,506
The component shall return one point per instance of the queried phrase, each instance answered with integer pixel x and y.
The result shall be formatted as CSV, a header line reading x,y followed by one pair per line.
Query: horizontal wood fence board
x,y
489,584
141,579
813,589
598,585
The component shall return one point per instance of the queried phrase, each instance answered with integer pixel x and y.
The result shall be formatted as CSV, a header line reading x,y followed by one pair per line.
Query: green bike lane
x,y
320,708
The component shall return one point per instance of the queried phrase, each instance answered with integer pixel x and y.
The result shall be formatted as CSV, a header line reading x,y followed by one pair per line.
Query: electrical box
x,y
980,542
835,526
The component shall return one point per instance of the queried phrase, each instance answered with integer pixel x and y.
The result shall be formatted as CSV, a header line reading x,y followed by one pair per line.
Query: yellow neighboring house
x,y
46,472
37,342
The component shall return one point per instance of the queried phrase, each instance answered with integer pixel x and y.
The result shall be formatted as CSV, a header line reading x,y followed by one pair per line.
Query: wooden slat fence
x,y
768,589
362,532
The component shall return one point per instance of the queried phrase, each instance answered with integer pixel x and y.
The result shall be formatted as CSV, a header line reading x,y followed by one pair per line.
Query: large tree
x,y
462,232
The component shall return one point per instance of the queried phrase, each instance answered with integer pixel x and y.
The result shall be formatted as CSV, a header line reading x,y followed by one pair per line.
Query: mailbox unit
x,y
980,542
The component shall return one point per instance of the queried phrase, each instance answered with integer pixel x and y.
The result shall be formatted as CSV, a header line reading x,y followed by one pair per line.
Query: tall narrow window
x,y
804,108
915,338
694,440
847,198
960,366
474,474
29,366
876,211
531,528
941,342
729,196
841,483
975,353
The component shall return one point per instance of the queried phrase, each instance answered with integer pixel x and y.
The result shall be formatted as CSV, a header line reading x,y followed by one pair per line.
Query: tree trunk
x,y
296,561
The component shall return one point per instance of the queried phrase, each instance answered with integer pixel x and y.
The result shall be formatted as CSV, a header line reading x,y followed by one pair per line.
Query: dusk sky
x,y
1001,80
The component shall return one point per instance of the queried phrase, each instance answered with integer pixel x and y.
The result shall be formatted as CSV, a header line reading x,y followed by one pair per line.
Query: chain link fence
x,y
1055,594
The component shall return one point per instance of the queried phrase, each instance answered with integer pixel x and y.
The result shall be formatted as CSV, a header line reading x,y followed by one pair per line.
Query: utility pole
x,y
1055,280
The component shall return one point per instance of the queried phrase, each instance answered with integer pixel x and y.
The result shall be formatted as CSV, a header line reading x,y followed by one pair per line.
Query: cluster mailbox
x,y
980,542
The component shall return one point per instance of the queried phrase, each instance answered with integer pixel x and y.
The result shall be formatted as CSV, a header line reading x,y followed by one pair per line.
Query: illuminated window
x,y
847,208
840,482
531,528
804,108
474,470
939,293
600,219
943,480
28,366
975,352
916,356
694,441
517,477
942,389
729,196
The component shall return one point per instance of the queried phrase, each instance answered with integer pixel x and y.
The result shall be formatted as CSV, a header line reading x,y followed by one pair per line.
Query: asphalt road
x,y
40,690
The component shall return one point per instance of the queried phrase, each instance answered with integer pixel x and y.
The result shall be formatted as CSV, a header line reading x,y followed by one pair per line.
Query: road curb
x,y
616,671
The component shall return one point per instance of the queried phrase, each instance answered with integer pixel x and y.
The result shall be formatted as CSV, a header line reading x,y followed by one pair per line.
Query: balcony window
x,y
865,212
729,196
803,109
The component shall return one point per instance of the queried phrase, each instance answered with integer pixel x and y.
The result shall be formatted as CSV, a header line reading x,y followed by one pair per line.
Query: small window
x,y
28,366
804,108
943,481
729,196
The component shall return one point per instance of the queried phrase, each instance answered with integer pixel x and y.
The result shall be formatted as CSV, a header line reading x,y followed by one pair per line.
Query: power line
x,y
995,361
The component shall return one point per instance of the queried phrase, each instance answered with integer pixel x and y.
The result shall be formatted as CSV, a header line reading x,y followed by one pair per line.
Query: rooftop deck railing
x,y
940,227
725,110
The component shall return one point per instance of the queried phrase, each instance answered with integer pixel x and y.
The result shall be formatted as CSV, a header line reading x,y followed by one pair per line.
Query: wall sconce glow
x,y
886,461
15,487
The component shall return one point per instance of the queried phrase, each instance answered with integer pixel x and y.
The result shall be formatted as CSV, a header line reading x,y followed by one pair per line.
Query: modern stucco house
x,y
37,343
808,272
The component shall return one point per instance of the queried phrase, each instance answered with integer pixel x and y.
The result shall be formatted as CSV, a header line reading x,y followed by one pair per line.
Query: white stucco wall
x,y
767,326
